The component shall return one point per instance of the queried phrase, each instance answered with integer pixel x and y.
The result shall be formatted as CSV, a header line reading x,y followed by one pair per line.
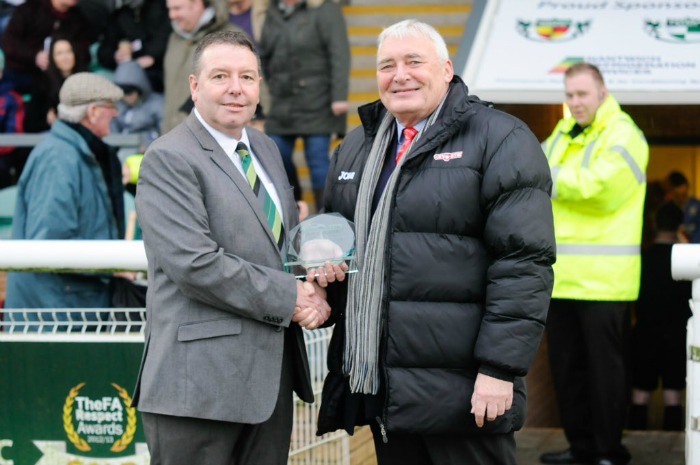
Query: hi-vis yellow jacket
x,y
599,184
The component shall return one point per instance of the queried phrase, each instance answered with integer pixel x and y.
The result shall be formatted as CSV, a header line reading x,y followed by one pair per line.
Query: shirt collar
x,y
400,127
226,142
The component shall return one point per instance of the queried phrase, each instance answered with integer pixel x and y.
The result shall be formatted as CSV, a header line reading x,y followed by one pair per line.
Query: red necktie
x,y
408,135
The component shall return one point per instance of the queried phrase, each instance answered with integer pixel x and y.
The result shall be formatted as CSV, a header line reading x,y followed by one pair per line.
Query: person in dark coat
x,y
11,122
455,242
42,109
138,31
28,36
659,334
305,56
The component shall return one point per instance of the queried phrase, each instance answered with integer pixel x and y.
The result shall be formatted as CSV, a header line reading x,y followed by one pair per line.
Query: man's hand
x,y
492,397
303,208
311,309
340,107
128,275
145,61
329,273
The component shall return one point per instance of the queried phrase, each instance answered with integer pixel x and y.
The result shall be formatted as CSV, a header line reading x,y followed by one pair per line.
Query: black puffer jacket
x,y
468,267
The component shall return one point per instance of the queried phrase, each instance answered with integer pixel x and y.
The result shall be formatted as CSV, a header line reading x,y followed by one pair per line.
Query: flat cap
x,y
84,88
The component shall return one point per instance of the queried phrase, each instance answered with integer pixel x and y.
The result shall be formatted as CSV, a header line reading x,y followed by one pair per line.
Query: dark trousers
x,y
412,449
588,368
188,441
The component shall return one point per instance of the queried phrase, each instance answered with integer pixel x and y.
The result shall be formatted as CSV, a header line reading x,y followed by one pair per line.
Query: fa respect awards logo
x,y
106,420
101,426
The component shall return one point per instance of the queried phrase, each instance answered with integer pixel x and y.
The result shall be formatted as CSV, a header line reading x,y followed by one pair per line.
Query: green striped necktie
x,y
274,218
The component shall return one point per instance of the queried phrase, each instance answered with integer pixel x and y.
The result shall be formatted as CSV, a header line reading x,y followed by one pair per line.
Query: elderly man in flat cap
x,y
70,189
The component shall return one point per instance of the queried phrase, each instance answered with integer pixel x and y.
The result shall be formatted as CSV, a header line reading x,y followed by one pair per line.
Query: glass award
x,y
327,237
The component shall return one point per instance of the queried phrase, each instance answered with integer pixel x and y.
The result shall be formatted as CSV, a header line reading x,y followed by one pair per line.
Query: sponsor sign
x,y
516,51
68,403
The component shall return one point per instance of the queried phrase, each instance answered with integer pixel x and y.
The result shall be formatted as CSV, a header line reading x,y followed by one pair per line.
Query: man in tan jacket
x,y
191,20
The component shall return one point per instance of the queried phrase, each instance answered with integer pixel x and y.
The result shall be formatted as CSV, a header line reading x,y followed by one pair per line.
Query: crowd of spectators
x,y
45,41
145,48
11,121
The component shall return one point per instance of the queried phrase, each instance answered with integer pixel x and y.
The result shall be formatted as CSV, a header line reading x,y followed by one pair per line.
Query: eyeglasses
x,y
107,105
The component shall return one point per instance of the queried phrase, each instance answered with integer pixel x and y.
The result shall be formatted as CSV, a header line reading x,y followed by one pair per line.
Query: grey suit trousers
x,y
193,441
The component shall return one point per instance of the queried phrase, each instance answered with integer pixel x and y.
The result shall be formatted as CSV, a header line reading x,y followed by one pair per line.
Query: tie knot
x,y
242,150
409,133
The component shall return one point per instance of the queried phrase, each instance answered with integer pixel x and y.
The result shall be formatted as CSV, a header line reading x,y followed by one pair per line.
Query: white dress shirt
x,y
229,144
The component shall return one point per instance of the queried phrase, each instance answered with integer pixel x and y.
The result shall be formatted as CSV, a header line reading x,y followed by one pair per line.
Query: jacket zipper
x,y
382,429
385,336
382,420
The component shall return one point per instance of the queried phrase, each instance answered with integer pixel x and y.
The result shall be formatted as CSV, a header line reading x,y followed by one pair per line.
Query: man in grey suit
x,y
224,347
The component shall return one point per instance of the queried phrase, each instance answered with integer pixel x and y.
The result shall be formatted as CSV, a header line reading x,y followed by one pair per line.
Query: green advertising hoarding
x,y
65,400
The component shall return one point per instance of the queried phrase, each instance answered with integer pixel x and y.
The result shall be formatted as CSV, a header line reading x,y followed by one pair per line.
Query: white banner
x,y
648,51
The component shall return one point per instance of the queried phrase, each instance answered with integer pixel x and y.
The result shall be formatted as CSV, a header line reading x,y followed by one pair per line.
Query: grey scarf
x,y
366,289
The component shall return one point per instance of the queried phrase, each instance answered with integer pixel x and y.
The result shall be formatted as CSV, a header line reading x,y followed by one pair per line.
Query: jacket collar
x,y
608,110
216,153
63,131
459,106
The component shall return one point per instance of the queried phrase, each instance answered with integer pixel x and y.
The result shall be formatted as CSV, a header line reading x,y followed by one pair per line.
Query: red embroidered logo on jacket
x,y
447,156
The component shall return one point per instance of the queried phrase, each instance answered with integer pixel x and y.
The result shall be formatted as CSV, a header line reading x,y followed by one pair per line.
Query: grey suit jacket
x,y
218,300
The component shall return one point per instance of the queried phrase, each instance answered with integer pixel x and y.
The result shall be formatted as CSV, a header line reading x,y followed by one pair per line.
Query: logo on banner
x,y
552,30
565,64
107,420
681,30
100,425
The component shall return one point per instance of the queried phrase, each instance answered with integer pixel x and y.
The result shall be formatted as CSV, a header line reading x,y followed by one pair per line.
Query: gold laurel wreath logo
x,y
80,443
128,435
73,436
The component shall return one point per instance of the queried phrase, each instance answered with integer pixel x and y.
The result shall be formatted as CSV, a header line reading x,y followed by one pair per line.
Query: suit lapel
x,y
217,155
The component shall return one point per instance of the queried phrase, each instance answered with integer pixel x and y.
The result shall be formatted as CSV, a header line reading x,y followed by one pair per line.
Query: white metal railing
x,y
128,324
306,448
95,323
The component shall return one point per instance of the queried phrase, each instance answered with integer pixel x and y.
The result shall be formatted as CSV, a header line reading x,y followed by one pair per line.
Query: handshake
x,y
311,309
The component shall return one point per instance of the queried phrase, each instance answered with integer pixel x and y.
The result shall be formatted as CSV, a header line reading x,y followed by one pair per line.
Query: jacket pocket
x,y
208,329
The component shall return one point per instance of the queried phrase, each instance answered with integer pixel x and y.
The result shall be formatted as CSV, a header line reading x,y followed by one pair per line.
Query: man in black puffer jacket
x,y
455,243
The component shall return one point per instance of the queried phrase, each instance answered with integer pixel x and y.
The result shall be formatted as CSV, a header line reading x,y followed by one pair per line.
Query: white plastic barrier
x,y
72,255
127,325
685,265
692,429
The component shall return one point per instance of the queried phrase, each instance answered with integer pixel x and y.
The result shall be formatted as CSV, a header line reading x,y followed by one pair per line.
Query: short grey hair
x,y
415,28
72,114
